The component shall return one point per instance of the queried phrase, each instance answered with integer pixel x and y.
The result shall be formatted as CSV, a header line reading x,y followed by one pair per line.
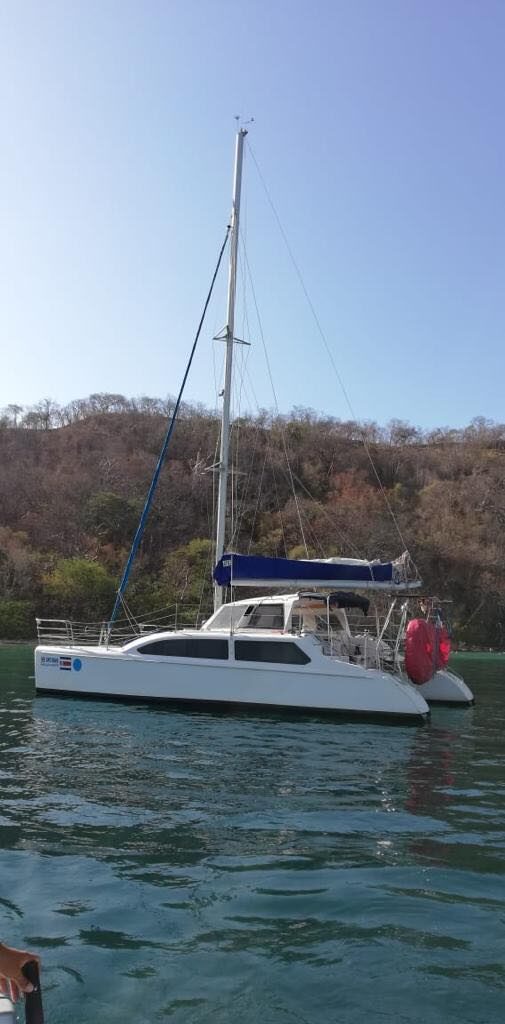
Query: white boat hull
x,y
329,685
447,687
7,1011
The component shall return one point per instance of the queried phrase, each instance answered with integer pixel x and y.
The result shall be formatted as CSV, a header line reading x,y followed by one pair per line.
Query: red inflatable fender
x,y
420,660
427,649
444,647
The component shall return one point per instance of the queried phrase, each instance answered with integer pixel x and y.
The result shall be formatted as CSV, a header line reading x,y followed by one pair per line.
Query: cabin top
x,y
293,613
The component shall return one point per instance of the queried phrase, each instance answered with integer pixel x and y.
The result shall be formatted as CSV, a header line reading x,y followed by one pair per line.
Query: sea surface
x,y
191,867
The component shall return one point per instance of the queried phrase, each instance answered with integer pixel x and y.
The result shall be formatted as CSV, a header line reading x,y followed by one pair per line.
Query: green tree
x,y
80,589
110,517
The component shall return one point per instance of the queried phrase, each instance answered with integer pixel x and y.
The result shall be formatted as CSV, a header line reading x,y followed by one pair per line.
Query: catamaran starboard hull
x,y
117,674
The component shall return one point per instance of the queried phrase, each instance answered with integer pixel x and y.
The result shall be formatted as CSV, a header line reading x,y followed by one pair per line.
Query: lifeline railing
x,y
384,630
71,633
375,640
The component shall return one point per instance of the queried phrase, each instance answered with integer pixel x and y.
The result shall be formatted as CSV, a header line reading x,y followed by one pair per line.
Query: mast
x,y
228,336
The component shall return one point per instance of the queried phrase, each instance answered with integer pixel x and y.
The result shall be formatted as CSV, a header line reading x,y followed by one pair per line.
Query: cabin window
x,y
266,616
227,618
274,651
187,647
313,620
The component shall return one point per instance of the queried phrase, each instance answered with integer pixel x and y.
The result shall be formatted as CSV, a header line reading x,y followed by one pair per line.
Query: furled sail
x,y
354,573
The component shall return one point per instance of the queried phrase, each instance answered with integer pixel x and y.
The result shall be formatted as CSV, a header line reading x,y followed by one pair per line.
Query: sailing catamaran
x,y
294,650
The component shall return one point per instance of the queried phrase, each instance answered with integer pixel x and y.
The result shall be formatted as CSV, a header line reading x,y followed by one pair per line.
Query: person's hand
x,y
12,979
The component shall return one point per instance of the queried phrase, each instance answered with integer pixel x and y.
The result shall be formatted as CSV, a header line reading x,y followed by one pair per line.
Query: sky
x,y
378,130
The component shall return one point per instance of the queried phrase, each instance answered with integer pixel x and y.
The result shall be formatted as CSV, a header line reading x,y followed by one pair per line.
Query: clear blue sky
x,y
379,131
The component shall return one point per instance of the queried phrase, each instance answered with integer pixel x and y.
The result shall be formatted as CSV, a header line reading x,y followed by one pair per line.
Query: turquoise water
x,y
199,868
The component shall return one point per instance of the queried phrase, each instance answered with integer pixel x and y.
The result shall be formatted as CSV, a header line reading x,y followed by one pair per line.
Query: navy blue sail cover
x,y
241,570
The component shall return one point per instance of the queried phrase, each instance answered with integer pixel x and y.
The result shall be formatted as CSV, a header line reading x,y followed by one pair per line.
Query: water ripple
x,y
197,866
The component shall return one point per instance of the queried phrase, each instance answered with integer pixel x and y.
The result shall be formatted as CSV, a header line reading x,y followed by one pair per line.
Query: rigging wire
x,y
170,429
280,513
205,582
253,400
267,360
329,352
316,543
235,436
130,618
251,461
257,503
347,543
269,452
242,499
343,536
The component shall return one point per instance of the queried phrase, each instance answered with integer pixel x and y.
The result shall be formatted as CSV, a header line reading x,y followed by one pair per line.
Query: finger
x,y
22,983
14,990
3,985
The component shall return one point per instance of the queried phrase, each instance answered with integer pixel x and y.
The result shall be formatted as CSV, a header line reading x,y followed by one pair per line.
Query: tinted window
x,y
267,616
187,647
270,650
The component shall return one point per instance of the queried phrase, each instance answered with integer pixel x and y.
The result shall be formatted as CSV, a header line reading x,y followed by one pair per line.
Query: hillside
x,y
73,481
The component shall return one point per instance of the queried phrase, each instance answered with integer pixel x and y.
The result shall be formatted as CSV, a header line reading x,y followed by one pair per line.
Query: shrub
x,y
81,589
17,620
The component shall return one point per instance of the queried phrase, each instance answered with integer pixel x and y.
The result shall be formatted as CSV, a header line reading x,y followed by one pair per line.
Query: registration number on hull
x,y
63,662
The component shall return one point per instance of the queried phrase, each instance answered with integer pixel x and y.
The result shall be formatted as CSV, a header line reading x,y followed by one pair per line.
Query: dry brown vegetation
x,y
73,481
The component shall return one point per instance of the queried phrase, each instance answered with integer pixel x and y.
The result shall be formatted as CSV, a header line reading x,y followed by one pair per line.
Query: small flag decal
x,y
65,664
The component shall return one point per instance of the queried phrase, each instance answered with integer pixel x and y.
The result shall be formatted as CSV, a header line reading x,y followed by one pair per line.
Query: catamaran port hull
x,y
335,688
447,687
